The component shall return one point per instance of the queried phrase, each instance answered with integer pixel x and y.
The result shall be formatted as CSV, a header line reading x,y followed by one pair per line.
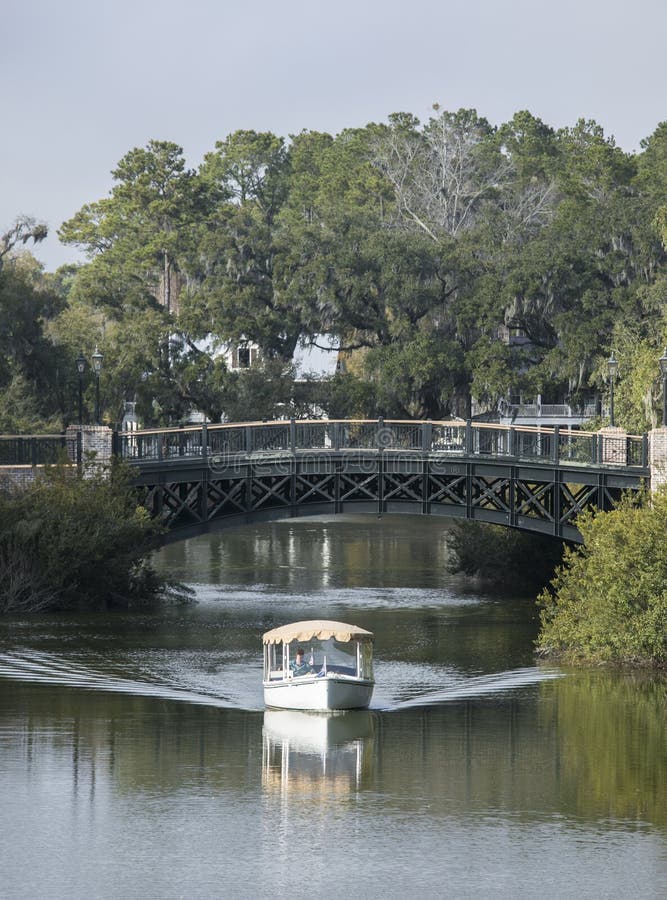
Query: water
x,y
136,759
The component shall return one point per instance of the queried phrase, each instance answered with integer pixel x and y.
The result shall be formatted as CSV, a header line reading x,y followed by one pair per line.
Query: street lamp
x,y
80,369
97,358
612,367
663,370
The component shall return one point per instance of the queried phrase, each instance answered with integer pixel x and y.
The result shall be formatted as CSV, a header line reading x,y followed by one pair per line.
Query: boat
x,y
336,672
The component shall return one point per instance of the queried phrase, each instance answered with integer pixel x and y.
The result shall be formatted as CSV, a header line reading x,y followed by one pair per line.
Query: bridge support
x,y
658,457
97,439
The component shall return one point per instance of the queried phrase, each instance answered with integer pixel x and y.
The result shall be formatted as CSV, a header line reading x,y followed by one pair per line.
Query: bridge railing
x,y
32,450
526,444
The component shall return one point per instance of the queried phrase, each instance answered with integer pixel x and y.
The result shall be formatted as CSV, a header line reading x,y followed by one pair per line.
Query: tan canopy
x,y
322,629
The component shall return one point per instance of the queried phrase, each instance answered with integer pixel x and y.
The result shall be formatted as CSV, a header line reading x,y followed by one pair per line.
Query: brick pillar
x,y
657,457
97,439
613,446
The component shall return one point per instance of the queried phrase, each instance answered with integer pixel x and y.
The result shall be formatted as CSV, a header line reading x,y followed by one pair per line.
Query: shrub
x,y
608,601
504,558
76,540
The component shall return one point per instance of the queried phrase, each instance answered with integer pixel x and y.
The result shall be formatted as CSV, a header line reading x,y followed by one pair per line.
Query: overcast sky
x,y
84,81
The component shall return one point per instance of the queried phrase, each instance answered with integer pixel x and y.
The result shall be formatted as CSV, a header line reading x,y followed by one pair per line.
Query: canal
x,y
136,759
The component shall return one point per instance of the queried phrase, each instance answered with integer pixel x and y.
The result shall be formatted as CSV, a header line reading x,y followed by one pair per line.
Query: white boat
x,y
337,672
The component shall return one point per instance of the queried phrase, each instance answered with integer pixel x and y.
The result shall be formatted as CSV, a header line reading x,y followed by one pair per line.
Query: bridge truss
x,y
202,479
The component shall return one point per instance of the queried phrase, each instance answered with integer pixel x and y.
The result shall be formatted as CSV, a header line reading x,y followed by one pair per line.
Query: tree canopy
x,y
415,247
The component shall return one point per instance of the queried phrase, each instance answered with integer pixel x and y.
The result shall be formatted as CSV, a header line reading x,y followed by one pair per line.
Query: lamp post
x,y
612,366
97,358
663,370
80,369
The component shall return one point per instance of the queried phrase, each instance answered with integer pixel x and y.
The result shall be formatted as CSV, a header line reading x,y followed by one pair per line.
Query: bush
x,y
76,540
608,601
504,558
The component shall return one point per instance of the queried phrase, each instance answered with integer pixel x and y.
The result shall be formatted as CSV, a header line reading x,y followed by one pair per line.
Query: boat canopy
x,y
322,629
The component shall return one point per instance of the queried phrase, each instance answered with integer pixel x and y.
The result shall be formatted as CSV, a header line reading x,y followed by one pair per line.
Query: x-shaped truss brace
x,y
491,493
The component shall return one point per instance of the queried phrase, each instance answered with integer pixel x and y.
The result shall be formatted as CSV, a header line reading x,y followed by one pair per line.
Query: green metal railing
x,y
32,450
551,446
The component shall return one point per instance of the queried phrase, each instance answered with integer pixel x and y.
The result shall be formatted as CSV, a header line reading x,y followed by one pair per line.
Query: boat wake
x,y
243,687
477,686
44,668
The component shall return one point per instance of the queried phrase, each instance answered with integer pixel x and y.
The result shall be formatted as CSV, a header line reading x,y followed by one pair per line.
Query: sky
x,y
85,81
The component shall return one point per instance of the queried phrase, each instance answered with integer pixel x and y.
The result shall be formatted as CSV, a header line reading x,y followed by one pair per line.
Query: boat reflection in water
x,y
309,752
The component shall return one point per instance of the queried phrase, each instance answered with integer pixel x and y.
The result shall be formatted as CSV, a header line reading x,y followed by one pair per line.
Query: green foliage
x,y
505,558
264,391
412,244
76,540
608,601
30,366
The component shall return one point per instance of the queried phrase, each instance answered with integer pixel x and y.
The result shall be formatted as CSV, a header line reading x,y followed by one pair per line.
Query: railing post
x,y
427,436
511,442
248,439
645,461
204,441
555,450
378,439
292,435
469,437
33,451
336,435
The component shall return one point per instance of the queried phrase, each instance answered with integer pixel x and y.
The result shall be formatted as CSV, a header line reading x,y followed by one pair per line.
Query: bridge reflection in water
x,y
209,477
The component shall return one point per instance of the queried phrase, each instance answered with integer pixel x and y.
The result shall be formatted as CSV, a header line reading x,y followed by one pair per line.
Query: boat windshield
x,y
353,658
345,658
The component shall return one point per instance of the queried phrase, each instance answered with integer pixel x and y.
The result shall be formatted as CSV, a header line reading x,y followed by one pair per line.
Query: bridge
x,y
208,477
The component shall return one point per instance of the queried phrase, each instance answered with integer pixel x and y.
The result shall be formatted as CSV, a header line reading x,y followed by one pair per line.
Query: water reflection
x,y
612,744
136,758
316,752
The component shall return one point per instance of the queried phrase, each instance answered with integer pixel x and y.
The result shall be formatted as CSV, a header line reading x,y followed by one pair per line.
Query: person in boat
x,y
299,666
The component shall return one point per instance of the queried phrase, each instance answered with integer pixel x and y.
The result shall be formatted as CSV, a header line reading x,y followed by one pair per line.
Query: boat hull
x,y
330,692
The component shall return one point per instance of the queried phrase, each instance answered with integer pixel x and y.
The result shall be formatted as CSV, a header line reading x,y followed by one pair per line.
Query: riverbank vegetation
x,y
76,541
505,559
608,601
448,260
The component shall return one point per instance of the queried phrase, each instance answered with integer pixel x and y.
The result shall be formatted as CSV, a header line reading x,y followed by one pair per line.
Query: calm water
x,y
136,759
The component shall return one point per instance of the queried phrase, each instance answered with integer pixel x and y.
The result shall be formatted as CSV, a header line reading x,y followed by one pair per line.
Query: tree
x,y
143,229
29,365
239,282
24,229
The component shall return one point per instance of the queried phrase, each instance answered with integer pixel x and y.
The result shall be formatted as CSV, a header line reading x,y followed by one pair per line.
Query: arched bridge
x,y
539,479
